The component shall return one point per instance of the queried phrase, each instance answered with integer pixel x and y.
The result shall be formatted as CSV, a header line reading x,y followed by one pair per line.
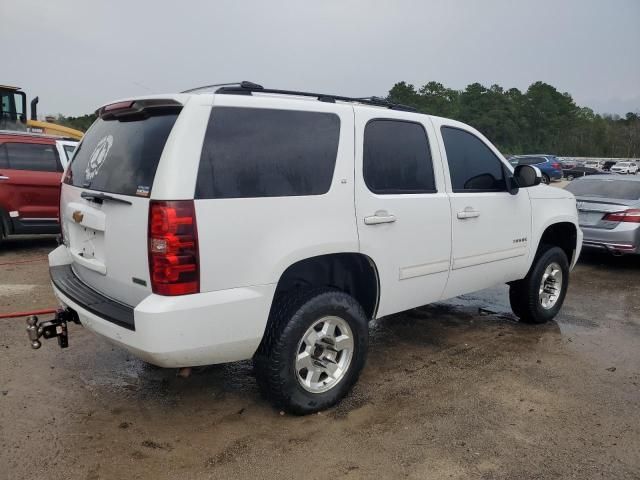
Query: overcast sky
x,y
76,55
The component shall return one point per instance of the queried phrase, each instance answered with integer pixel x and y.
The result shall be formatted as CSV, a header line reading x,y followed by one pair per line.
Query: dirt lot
x,y
453,390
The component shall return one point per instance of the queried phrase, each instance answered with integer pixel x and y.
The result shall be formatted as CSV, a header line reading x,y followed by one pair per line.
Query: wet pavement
x,y
452,390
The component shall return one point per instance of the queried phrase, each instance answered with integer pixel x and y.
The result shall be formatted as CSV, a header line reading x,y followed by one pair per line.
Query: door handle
x,y
3,177
381,216
468,212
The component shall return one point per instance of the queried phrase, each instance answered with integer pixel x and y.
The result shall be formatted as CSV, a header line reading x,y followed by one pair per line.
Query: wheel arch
x,y
350,272
560,233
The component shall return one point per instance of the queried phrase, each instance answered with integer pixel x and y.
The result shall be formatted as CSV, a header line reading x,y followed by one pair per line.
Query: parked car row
x,y
573,169
31,167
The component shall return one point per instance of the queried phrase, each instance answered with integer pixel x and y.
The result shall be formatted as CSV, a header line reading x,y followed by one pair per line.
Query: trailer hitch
x,y
55,328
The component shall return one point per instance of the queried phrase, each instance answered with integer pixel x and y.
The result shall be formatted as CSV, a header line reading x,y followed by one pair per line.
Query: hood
x,y
546,192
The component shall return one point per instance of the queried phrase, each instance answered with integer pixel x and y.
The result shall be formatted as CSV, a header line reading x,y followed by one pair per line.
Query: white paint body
x,y
427,254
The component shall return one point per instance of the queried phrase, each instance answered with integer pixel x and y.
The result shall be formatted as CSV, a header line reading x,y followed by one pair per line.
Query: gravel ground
x,y
451,390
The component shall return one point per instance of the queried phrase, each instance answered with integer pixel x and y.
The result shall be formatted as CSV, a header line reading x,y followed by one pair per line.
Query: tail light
x,y
173,248
557,166
631,216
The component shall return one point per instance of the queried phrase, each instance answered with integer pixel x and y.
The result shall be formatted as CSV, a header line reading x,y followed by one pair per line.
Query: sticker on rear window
x,y
97,158
142,191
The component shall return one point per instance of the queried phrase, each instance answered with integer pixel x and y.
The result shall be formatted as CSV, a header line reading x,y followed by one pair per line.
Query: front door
x,y
490,227
402,207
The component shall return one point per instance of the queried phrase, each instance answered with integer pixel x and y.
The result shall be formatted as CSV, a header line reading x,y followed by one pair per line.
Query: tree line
x,y
540,120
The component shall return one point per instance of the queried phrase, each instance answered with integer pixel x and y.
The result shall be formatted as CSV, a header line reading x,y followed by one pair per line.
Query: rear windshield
x,y
593,187
118,156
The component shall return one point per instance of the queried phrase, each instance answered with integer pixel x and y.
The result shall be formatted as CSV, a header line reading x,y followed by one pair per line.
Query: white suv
x,y
630,168
202,228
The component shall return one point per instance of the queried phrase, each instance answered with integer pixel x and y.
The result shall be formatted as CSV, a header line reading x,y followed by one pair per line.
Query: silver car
x,y
609,212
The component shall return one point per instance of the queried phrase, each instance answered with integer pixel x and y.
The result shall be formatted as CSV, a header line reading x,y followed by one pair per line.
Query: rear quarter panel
x,y
251,241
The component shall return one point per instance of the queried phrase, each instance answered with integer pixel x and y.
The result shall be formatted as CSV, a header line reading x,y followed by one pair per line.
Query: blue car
x,y
549,165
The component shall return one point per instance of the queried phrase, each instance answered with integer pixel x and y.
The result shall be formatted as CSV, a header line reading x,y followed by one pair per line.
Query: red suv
x,y
31,168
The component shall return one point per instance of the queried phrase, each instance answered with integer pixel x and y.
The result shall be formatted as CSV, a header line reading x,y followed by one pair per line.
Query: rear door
x,y
30,183
402,207
105,199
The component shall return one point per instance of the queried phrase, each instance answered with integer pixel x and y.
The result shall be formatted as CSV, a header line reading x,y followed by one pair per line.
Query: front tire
x,y
313,350
538,297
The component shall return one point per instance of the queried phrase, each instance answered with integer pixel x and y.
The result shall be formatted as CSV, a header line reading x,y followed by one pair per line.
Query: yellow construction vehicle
x,y
13,115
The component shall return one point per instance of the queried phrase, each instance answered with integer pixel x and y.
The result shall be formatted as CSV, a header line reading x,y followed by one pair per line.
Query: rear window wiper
x,y
101,197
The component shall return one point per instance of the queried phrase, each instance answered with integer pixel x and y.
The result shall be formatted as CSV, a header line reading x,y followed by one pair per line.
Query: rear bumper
x,y
625,238
181,331
615,248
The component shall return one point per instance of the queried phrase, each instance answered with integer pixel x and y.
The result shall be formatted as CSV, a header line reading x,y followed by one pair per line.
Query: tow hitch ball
x,y
57,327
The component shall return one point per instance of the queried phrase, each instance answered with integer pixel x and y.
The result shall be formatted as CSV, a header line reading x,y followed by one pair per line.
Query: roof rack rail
x,y
247,88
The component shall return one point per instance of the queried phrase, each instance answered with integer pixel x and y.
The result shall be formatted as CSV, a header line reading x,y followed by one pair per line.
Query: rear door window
x,y
121,156
256,152
397,158
32,156
472,165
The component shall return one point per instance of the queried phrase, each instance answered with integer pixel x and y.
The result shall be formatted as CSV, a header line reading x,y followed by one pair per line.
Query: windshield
x,y
605,188
121,156
622,164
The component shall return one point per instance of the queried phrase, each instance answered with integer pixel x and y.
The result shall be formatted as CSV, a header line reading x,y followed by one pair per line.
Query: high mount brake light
x,y
630,216
173,248
130,108
118,106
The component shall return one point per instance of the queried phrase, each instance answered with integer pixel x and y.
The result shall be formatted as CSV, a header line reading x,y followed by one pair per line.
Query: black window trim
x,y
401,192
505,169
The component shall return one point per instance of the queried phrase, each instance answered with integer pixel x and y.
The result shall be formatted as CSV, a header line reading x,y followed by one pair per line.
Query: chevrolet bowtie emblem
x,y
77,216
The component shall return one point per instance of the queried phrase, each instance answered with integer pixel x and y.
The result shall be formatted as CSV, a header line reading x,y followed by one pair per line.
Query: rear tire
x,y
538,297
300,367
545,179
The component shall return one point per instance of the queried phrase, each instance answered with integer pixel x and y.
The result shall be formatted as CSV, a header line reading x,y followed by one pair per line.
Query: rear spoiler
x,y
136,108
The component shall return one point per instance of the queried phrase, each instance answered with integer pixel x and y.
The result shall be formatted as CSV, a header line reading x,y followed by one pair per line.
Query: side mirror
x,y
512,185
527,176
